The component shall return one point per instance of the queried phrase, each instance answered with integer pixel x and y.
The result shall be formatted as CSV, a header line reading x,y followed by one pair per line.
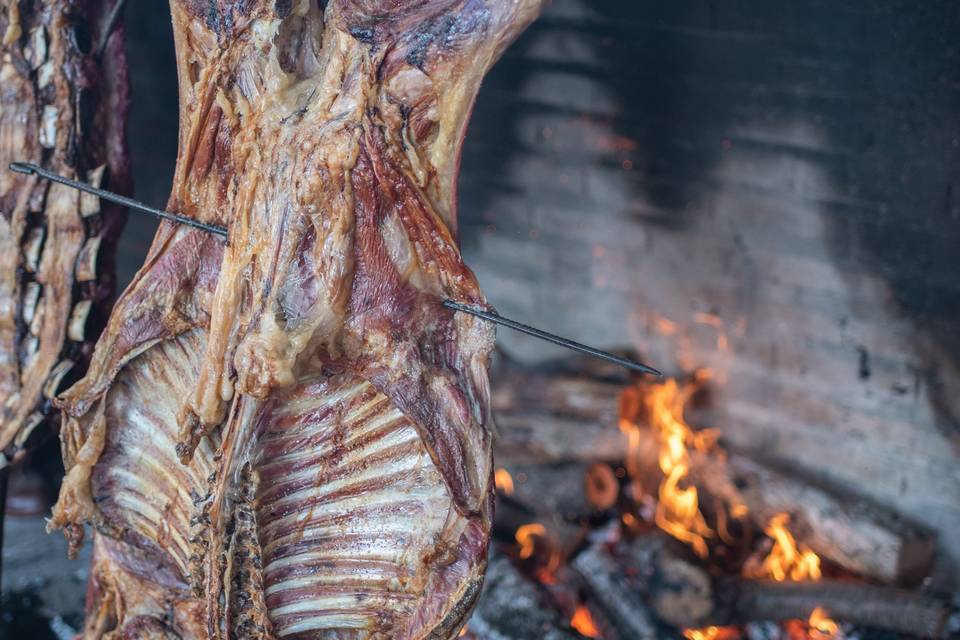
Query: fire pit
x,y
667,529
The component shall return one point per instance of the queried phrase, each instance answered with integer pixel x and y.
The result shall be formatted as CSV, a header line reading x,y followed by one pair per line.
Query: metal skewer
x,y
29,169
549,337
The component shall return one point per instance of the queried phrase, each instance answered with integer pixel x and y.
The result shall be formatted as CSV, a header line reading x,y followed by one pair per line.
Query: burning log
x,y
511,607
558,415
542,534
641,580
635,584
611,594
861,537
572,490
856,535
873,606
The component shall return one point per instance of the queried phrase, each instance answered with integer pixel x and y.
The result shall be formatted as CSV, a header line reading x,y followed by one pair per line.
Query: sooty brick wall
x,y
768,189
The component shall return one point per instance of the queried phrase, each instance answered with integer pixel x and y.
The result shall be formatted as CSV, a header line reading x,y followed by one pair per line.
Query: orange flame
x,y
712,633
534,539
503,481
678,509
526,537
786,560
666,326
822,627
582,621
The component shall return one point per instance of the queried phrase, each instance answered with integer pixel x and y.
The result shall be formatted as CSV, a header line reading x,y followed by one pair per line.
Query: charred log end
x,y
601,485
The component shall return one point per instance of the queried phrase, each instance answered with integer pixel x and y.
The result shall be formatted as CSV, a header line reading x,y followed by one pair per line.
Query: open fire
x,y
677,509
785,561
660,407
676,531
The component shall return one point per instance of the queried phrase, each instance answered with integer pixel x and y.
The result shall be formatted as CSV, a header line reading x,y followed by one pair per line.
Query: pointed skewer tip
x,y
23,167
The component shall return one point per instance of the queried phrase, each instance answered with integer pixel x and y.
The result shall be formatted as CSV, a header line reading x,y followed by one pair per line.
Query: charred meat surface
x,y
63,105
286,435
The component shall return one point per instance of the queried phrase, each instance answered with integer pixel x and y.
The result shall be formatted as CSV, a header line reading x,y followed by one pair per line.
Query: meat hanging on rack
x,y
286,434
63,105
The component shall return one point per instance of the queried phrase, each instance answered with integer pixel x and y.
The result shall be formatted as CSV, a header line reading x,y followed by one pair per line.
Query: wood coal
x,y
512,607
647,579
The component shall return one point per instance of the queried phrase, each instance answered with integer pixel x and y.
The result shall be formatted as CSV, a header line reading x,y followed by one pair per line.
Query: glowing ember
x,y
678,510
822,627
666,326
582,621
786,560
535,541
789,561
600,486
712,633
527,536
503,481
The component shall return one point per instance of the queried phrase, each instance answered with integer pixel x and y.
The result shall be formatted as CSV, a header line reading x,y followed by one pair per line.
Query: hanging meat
x,y
285,434
63,104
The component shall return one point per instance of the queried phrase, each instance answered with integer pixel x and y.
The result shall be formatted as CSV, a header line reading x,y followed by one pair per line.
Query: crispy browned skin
x,y
288,435
63,108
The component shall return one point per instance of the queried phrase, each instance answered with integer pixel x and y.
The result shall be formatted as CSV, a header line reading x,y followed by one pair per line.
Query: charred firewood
x,y
559,412
647,575
287,434
635,583
573,490
879,607
860,536
63,105
551,540
512,607
611,594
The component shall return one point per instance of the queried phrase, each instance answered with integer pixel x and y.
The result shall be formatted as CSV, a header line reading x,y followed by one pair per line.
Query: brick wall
x,y
638,171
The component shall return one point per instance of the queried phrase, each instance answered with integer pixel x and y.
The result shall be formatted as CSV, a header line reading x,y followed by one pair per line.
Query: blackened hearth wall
x,y
637,171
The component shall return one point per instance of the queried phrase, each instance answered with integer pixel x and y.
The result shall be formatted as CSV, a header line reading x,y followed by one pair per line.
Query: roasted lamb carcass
x,y
63,104
285,434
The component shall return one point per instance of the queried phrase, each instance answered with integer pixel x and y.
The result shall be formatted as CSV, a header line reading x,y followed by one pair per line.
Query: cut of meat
x,y
287,435
64,107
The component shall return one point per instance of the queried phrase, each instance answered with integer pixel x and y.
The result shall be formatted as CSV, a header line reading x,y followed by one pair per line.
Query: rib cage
x,y
140,485
338,510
